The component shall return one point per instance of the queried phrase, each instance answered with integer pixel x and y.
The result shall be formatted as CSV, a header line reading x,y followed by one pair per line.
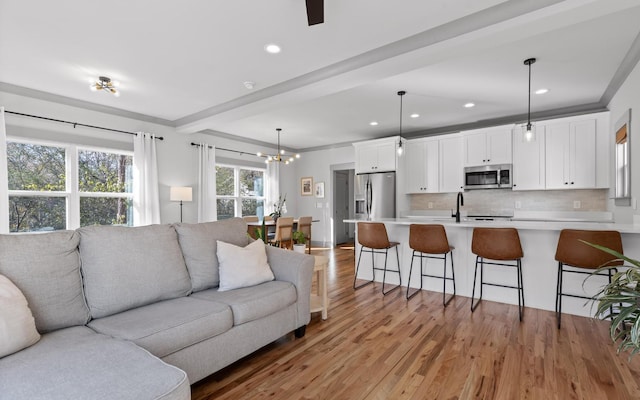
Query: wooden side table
x,y
320,300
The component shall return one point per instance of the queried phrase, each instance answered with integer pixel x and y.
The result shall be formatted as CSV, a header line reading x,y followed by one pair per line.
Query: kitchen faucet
x,y
459,202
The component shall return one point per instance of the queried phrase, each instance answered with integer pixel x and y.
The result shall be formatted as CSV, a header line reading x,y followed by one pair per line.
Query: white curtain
x,y
4,177
146,200
207,210
273,186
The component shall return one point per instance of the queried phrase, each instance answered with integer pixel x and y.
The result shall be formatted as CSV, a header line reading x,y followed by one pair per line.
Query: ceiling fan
x,y
315,12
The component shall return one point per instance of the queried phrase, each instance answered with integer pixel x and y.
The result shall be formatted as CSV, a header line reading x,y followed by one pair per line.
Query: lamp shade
x,y
180,193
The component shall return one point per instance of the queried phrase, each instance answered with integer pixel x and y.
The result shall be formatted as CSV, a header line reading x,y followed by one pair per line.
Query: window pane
x,y
104,172
251,183
252,207
106,211
226,208
27,214
224,181
35,167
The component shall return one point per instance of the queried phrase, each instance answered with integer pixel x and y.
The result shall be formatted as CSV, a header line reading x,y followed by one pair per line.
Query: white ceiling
x,y
184,63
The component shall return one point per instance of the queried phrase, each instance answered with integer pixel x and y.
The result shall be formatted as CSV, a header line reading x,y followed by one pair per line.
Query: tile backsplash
x,y
503,202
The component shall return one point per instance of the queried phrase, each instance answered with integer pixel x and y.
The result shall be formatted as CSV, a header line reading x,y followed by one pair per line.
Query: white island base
x,y
539,268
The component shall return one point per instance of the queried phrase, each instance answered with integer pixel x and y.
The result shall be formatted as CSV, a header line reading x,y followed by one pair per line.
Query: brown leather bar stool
x,y
373,237
573,253
430,241
498,244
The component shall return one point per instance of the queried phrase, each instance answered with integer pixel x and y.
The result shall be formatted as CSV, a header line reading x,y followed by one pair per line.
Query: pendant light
x,y
528,135
280,156
400,149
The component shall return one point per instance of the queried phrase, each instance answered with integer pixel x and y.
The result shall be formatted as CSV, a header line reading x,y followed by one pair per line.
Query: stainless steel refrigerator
x,y
375,195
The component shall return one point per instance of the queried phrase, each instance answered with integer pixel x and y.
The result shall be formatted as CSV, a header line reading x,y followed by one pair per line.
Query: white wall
x,y
177,159
315,164
628,97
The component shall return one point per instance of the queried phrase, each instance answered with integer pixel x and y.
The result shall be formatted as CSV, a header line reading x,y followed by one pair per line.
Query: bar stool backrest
x,y
496,243
428,238
573,252
373,235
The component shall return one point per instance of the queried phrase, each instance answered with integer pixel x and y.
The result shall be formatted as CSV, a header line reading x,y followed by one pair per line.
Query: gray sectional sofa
x,y
134,313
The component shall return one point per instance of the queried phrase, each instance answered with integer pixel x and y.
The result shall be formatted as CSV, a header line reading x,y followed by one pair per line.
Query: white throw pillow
x,y
243,266
17,326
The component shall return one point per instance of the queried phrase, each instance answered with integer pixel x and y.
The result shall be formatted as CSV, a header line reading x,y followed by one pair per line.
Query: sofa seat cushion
x,y
168,326
78,363
254,302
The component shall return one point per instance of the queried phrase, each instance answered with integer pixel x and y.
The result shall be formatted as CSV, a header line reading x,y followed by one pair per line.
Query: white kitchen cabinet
x,y
421,166
570,149
451,164
529,159
376,155
487,146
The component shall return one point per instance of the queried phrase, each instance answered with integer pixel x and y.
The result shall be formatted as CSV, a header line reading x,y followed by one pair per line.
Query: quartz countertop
x,y
518,224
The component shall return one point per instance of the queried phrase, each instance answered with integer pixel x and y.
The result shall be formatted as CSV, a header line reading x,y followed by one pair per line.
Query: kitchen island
x,y
539,240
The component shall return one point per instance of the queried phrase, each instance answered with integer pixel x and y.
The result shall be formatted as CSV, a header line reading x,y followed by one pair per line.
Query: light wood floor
x,y
385,347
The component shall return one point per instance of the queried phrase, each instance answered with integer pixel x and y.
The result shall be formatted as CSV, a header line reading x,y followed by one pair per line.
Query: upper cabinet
x,y
421,166
376,155
529,159
487,146
571,155
451,168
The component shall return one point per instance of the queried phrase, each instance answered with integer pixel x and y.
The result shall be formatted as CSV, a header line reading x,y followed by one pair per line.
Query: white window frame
x,y
72,192
236,187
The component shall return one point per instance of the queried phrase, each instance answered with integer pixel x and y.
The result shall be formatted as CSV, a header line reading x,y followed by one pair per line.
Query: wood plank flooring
x,y
385,347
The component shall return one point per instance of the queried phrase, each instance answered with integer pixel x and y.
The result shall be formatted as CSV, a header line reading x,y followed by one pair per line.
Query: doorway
x,y
343,184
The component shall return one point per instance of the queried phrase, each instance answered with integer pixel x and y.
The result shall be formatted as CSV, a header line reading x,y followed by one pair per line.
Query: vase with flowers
x,y
279,207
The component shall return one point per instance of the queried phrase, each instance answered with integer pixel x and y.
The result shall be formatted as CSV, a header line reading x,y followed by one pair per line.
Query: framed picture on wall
x,y
320,190
306,186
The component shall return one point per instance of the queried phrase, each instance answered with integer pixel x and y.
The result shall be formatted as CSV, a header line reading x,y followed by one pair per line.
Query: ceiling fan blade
x,y
315,12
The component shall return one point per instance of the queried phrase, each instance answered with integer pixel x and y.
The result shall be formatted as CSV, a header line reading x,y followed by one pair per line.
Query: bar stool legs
x,y
444,277
374,269
519,287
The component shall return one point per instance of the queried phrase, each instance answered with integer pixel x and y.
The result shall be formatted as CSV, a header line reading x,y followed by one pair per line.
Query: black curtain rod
x,y
221,148
76,123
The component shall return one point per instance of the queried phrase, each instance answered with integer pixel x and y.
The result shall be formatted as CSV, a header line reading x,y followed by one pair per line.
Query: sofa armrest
x,y
296,268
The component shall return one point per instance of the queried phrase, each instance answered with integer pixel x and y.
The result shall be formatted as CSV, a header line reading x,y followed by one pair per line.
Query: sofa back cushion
x,y
124,267
198,243
46,268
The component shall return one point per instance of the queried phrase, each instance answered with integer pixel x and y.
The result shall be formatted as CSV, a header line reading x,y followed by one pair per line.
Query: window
x,y
57,186
239,191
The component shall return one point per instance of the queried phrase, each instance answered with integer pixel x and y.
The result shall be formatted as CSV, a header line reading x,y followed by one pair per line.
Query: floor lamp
x,y
180,193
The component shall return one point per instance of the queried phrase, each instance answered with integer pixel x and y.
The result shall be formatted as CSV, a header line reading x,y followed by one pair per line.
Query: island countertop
x,y
518,224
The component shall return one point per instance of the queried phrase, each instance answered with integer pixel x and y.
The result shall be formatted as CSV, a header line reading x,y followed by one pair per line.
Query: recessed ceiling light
x,y
414,115
272,48
373,123
469,105
542,91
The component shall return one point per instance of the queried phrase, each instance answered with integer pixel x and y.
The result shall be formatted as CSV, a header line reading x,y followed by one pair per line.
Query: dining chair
x,y
251,230
284,233
304,226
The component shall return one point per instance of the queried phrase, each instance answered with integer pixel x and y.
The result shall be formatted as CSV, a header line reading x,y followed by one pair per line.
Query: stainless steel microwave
x,y
488,177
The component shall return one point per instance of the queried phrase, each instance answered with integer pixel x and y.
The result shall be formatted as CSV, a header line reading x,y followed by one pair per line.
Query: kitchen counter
x,y
539,240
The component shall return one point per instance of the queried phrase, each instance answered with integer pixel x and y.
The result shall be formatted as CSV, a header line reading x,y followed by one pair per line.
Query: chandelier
x,y
280,156
106,84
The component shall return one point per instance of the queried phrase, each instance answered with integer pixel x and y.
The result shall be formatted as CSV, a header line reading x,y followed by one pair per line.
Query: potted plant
x,y
622,296
299,241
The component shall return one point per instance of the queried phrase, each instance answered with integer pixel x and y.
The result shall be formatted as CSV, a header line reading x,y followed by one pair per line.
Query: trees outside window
x,y
57,186
239,191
